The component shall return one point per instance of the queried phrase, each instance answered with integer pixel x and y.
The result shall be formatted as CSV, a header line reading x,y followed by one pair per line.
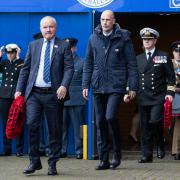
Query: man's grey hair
x,y
48,17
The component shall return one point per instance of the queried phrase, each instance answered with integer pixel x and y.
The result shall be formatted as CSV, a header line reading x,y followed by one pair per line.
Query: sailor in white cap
x,y
148,33
10,69
156,83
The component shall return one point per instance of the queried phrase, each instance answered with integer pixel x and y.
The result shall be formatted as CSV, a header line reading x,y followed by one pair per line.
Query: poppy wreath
x,y
167,113
16,118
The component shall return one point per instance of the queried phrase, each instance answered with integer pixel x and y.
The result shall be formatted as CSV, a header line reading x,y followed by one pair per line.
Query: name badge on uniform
x,y
160,59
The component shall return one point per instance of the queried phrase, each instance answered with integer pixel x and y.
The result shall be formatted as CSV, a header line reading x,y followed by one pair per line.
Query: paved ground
x,y
69,168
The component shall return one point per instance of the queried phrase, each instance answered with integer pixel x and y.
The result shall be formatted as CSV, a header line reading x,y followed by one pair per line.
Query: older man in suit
x,y
45,79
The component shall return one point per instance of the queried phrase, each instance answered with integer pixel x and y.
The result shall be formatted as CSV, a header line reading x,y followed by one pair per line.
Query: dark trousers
x,y
106,108
151,127
37,104
74,114
44,136
5,105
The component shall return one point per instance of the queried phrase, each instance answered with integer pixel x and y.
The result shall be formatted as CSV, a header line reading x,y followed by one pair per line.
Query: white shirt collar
x,y
107,34
52,40
152,51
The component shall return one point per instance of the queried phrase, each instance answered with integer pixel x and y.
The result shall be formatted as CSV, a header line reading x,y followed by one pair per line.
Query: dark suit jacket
x,y
155,76
61,70
10,73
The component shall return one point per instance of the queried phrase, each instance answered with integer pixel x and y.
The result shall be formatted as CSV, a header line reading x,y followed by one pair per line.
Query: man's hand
x,y
85,94
17,94
1,53
178,90
132,94
126,98
18,53
169,97
61,92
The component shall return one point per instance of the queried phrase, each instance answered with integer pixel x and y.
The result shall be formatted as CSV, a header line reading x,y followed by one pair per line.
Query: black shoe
x,y
63,155
19,154
7,153
116,160
79,156
177,157
103,165
52,171
145,160
160,153
32,168
42,153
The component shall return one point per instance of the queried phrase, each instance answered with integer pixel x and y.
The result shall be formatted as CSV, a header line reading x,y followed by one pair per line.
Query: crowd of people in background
x,y
55,82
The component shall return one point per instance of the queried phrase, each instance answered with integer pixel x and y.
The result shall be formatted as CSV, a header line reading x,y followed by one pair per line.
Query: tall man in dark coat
x,y
10,69
156,82
110,63
74,108
45,79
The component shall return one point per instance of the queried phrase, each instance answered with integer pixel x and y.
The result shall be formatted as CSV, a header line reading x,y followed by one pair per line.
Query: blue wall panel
x,y
20,27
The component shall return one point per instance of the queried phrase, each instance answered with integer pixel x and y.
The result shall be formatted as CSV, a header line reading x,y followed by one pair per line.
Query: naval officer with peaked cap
x,y
156,83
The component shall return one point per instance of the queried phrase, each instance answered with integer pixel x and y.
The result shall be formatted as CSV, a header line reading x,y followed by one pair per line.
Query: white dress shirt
x,y
152,51
39,79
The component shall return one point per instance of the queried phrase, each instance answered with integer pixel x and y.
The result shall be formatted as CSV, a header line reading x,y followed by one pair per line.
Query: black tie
x,y
149,56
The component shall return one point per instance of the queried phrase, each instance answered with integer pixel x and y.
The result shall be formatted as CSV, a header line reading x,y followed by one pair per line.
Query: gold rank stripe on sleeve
x,y
171,88
20,65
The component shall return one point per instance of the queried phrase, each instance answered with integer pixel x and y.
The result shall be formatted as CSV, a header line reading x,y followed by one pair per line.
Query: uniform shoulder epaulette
x,y
19,65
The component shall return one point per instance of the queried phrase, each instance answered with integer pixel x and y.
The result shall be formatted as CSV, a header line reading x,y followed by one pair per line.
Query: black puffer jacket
x,y
109,68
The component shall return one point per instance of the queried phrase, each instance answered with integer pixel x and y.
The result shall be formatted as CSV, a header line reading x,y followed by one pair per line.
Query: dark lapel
x,y
55,47
150,63
142,62
38,52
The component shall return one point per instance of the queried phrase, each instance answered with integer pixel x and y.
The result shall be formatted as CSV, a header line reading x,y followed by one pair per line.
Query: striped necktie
x,y
46,72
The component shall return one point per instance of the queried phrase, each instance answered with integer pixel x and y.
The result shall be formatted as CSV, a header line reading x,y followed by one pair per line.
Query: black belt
x,y
42,89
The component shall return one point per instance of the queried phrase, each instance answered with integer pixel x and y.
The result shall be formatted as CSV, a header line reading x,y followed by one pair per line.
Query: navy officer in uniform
x,y
74,108
10,69
156,83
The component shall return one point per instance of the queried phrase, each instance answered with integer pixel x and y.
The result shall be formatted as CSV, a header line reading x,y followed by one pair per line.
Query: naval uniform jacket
x,y
156,78
10,73
75,88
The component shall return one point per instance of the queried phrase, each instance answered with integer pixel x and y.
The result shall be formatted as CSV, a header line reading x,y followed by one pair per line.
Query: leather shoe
x,y
116,160
103,165
79,156
145,160
32,168
52,171
6,154
160,153
19,154
177,157
63,155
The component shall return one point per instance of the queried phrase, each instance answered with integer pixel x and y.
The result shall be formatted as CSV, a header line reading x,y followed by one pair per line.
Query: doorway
x,y
167,26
